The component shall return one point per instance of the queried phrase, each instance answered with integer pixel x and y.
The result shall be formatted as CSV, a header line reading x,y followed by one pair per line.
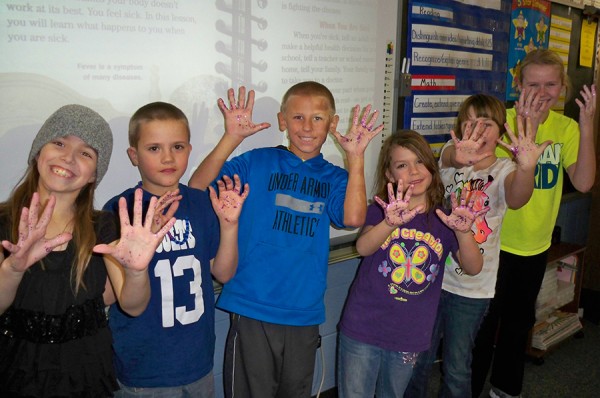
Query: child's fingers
x,y
103,249
543,145
228,182
338,137
123,213
355,115
454,137
231,98
408,193
212,194
250,103
165,229
237,183
380,202
453,200
399,191
510,133
482,211
9,246
504,144
137,207
46,216
246,192
372,119
222,106
530,131
376,131
442,216
172,209
149,214
241,102
478,131
366,112
58,240
463,197
23,224
34,208
468,130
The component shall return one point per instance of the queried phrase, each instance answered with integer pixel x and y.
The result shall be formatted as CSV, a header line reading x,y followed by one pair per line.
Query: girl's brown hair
x,y
484,106
415,143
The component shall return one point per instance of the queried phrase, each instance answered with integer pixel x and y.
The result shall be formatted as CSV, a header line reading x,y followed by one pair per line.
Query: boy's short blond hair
x,y
154,111
310,88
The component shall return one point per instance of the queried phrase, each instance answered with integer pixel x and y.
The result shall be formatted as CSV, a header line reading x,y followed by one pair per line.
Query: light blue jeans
x,y
203,388
457,321
365,370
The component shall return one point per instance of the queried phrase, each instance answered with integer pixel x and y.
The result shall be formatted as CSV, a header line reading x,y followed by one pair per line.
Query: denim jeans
x,y
365,370
457,321
203,388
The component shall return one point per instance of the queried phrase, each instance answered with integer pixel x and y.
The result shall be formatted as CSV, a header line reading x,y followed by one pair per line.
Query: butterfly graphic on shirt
x,y
407,263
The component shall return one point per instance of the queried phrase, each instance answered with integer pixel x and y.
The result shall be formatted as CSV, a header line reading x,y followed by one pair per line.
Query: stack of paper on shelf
x,y
556,328
546,300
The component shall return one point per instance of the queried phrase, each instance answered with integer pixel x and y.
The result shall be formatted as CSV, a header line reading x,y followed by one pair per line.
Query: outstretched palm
x,y
462,217
228,204
397,211
360,134
32,244
138,243
587,108
524,148
472,140
238,116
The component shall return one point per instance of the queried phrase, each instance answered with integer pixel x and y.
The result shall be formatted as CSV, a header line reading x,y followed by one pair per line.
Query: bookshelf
x,y
557,309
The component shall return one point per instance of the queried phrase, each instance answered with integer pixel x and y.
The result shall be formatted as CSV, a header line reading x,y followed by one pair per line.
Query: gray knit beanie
x,y
81,122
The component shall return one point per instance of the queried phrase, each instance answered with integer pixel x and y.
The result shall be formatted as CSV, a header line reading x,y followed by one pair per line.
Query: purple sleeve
x,y
374,214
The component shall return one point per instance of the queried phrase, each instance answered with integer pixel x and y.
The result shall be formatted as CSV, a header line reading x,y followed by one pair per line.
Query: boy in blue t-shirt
x,y
276,298
169,348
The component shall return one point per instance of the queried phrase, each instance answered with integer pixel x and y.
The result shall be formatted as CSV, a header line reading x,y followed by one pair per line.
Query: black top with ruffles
x,y
53,342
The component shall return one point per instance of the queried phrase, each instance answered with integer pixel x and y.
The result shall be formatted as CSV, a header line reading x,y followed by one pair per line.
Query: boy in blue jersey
x,y
276,297
168,350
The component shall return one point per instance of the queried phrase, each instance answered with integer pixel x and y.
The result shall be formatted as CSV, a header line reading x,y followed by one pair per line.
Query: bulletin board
x,y
455,49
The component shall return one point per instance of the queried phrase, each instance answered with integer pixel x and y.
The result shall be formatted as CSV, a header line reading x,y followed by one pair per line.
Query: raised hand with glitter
x,y
587,107
360,133
229,200
169,201
397,211
137,244
32,245
523,147
227,203
238,116
531,104
467,148
462,217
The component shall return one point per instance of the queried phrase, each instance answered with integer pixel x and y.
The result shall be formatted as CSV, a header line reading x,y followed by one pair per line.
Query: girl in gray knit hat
x,y
62,262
